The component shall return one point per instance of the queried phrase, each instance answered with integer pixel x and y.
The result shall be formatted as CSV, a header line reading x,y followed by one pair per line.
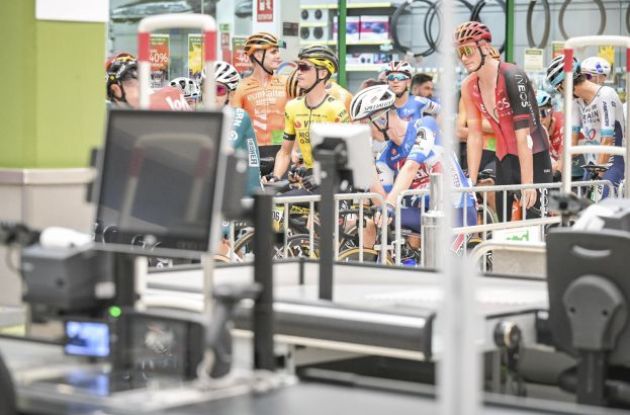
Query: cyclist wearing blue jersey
x,y
412,153
409,107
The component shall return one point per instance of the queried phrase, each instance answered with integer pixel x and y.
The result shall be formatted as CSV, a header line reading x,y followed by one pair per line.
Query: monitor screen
x,y
87,338
158,174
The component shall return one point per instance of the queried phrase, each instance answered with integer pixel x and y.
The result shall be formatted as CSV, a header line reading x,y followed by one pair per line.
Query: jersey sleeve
x,y
607,108
428,106
250,139
521,96
289,121
423,149
340,113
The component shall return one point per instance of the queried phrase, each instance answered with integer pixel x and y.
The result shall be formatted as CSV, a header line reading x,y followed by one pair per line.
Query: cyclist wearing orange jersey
x,y
263,94
339,93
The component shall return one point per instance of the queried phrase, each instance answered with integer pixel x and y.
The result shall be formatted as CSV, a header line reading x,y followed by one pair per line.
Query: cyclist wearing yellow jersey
x,y
316,65
262,95
333,88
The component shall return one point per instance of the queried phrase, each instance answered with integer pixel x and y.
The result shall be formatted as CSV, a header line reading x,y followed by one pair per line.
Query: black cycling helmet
x,y
119,69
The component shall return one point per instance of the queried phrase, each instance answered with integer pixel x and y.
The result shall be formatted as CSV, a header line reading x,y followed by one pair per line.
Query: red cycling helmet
x,y
472,31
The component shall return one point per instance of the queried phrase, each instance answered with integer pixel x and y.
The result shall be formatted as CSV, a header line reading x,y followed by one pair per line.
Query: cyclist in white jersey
x,y
598,114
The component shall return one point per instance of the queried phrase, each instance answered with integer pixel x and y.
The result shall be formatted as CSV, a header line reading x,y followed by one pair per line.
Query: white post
x,y
459,378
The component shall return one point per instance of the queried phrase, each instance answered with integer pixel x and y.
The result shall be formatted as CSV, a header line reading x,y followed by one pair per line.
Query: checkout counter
x,y
152,359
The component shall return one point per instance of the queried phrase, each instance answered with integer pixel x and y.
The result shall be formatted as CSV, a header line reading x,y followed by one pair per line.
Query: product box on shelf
x,y
374,28
352,28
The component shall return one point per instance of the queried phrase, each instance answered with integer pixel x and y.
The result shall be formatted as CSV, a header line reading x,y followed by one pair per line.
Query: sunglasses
x,y
544,112
222,90
397,77
466,51
304,67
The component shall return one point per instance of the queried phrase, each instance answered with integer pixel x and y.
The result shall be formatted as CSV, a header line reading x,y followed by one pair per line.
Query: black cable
x,y
530,35
477,12
602,17
394,29
429,18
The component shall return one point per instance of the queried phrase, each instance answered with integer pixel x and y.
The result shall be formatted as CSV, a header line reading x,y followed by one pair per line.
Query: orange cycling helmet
x,y
472,31
260,41
292,89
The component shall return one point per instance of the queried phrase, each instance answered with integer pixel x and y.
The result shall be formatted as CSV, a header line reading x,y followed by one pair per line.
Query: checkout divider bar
x,y
392,251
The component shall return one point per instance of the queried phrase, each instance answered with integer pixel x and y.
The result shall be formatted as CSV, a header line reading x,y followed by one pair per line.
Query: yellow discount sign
x,y
195,56
608,53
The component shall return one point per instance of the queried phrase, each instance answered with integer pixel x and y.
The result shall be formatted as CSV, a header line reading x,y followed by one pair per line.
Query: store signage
x,y
264,11
195,55
534,60
160,56
239,59
608,53
225,46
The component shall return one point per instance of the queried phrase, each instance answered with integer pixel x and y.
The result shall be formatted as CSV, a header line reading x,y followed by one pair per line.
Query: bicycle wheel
x,y
369,255
299,246
244,245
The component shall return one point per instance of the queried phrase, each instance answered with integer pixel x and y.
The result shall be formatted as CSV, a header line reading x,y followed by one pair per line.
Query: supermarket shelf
x,y
357,43
380,5
365,67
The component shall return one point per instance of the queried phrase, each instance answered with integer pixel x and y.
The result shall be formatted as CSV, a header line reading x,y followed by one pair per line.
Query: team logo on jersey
x,y
521,85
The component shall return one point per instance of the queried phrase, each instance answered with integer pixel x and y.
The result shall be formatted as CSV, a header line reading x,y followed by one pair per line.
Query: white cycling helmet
x,y
400,66
226,74
189,87
370,101
595,66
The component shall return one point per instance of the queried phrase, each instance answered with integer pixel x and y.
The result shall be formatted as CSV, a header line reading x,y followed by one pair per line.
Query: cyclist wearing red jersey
x,y
262,95
502,93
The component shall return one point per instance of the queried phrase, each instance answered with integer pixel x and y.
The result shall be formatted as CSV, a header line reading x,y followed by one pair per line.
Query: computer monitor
x,y
161,180
358,139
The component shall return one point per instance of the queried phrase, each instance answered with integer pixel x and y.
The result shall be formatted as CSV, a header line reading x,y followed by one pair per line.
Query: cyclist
x,y
333,88
262,94
398,76
190,89
422,85
553,121
502,93
123,88
598,114
595,69
316,64
412,152
243,138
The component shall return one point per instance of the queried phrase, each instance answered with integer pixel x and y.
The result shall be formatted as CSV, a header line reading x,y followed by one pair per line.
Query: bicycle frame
x,y
569,149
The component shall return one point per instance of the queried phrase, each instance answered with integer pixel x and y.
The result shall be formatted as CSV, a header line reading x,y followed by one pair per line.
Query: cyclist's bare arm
x,y
461,128
526,161
403,181
283,158
377,187
474,144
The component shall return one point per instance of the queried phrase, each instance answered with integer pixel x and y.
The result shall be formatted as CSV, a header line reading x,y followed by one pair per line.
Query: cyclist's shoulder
x,y
608,93
295,104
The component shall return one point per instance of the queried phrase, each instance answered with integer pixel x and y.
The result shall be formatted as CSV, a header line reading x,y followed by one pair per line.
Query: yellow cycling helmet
x,y
321,57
